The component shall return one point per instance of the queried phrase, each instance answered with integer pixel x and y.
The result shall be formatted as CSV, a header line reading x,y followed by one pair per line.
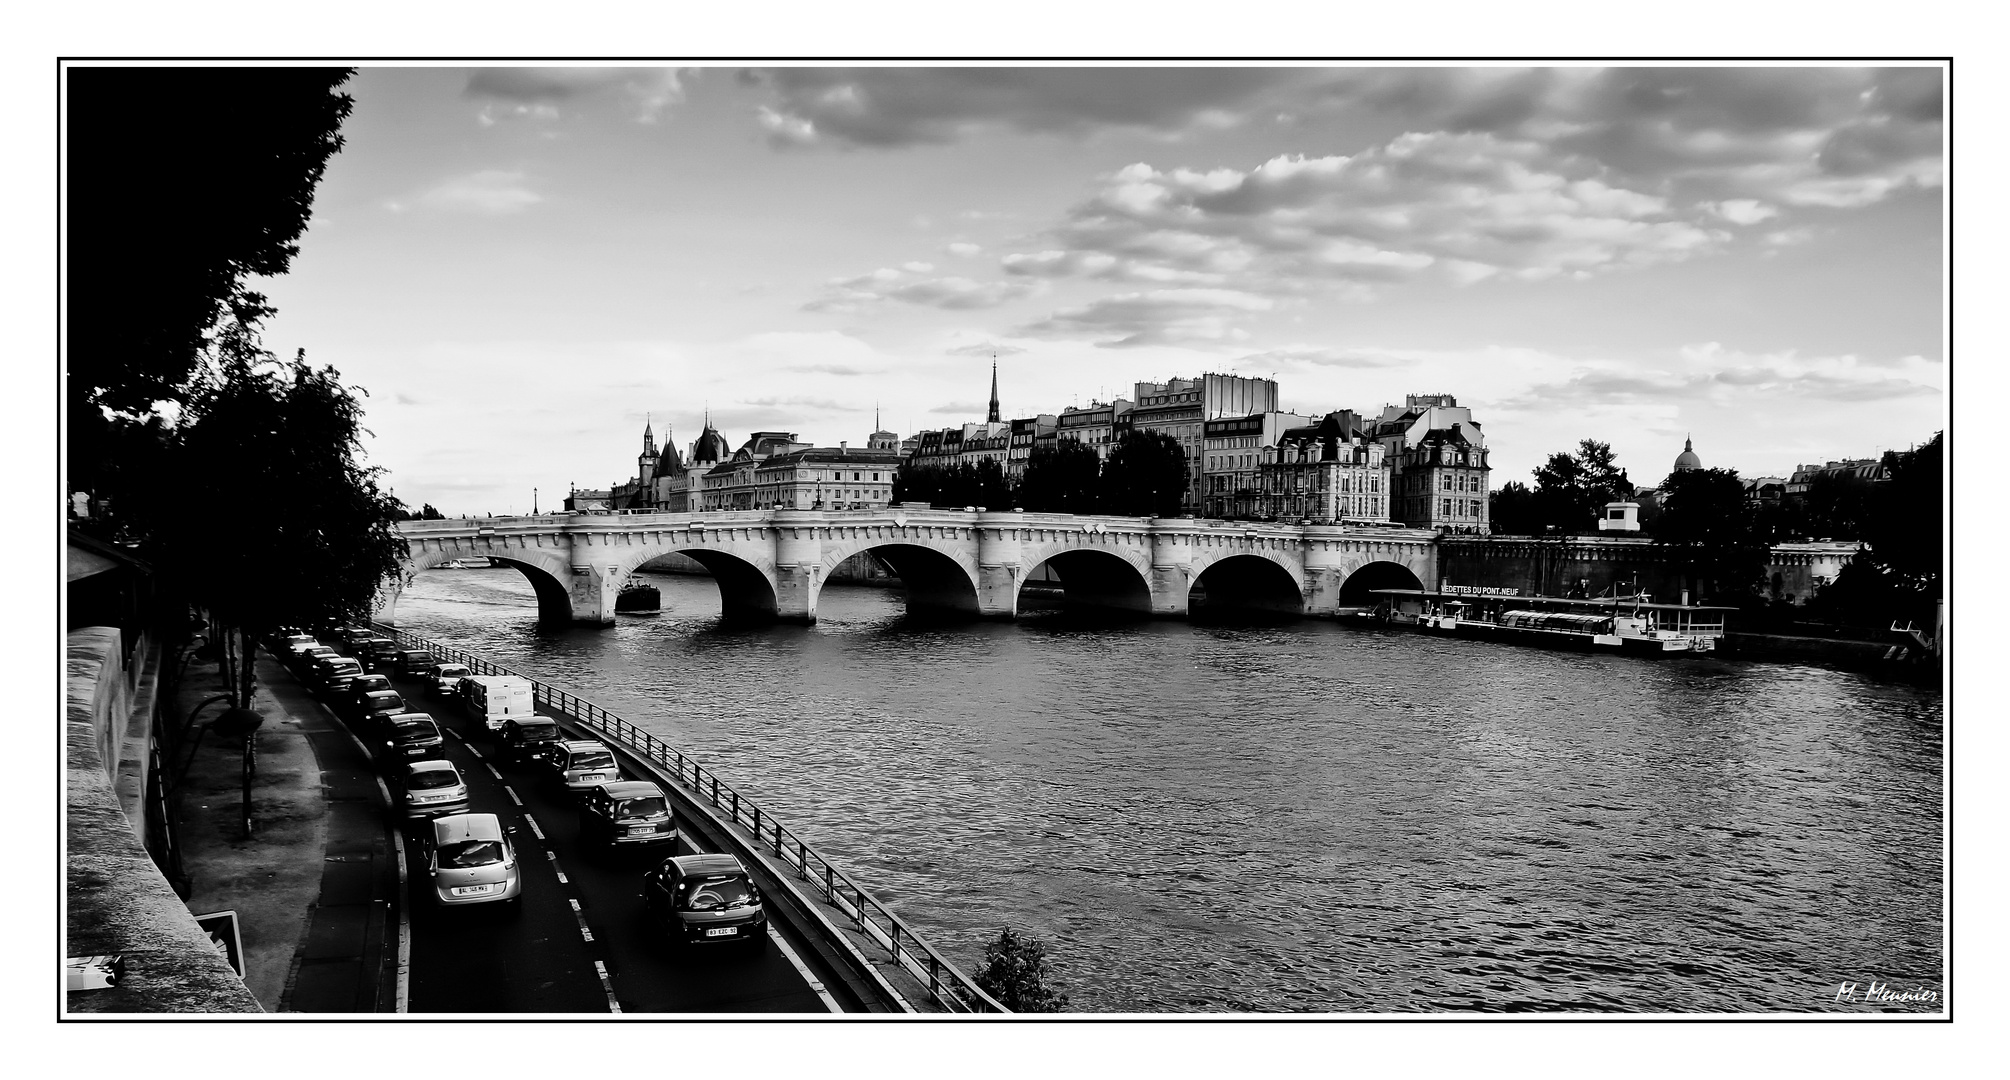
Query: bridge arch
x,y
1095,579
936,582
1357,589
542,568
747,592
1247,584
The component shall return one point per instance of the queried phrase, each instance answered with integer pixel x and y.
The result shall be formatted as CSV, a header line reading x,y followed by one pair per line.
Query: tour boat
x,y
1630,624
637,598
475,563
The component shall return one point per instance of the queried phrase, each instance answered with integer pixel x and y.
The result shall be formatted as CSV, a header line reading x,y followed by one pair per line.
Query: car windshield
x,y
593,759
432,778
417,731
467,853
647,806
540,734
710,895
372,682
453,671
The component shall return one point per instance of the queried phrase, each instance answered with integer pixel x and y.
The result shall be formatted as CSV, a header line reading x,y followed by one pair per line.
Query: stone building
x,y
1331,471
1232,451
1438,457
1097,425
1180,409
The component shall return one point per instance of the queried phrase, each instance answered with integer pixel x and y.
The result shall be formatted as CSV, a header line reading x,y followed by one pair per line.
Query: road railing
x,y
946,983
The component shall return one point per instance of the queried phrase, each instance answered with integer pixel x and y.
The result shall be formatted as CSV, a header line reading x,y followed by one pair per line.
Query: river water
x,y
1311,817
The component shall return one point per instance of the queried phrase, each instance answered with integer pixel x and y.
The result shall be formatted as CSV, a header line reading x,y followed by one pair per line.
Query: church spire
x,y
993,417
649,435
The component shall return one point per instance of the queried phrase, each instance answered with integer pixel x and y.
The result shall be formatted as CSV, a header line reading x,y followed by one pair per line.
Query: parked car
x,y
468,859
411,662
351,638
414,737
627,813
432,788
303,661
445,679
705,899
580,764
333,676
529,740
289,645
376,705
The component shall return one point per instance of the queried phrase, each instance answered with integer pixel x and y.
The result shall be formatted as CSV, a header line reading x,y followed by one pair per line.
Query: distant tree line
x,y
1722,539
1145,476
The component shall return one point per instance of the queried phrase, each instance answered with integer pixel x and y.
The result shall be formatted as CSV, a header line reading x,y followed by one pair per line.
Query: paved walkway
x,y
315,885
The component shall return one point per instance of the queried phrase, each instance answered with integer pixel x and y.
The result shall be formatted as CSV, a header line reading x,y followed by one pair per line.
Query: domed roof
x,y
1687,459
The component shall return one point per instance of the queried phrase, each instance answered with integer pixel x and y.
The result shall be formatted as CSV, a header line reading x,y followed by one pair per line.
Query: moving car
x,y
352,702
377,704
432,788
581,764
332,677
446,678
627,813
705,899
468,859
415,736
529,740
411,662
378,654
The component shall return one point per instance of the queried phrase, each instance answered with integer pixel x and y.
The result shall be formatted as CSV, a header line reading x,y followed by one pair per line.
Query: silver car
x,y
582,764
446,678
469,860
433,788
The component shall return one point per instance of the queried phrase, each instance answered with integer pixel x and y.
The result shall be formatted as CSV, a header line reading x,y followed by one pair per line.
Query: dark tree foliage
x,y
425,513
1718,544
1511,510
1015,973
1061,478
1904,528
181,184
1145,476
1835,507
959,484
1571,490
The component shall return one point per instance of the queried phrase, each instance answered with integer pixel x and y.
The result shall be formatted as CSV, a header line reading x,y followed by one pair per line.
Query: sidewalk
x,y
314,886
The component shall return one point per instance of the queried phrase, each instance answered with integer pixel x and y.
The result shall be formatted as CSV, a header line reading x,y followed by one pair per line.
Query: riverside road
x,y
580,943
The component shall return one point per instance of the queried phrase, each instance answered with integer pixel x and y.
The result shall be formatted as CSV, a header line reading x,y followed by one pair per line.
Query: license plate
x,y
722,931
415,750
473,890
591,778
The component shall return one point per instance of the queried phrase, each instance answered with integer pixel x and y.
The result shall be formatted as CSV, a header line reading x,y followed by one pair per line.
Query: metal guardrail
x,y
947,983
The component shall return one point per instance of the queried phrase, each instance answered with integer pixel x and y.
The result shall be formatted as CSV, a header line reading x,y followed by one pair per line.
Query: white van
x,y
496,698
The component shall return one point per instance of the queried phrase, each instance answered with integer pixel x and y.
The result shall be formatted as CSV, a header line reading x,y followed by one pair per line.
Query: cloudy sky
x,y
520,265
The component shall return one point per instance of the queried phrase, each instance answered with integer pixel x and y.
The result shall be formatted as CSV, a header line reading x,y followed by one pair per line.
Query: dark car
x,y
411,662
351,638
529,740
333,676
415,737
375,705
378,654
625,813
705,899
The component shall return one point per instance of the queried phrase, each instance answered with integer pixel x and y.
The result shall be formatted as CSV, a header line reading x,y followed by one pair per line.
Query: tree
x,y
1015,973
1061,478
1705,518
1571,490
183,182
1904,528
273,522
959,484
1146,476
1836,506
1511,510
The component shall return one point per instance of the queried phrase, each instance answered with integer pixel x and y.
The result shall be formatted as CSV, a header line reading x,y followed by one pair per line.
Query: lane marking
x,y
803,970
495,772
530,821
574,903
562,879
509,791
607,984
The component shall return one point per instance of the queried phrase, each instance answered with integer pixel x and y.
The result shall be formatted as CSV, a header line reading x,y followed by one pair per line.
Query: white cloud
x,y
962,249
539,93
491,191
1160,317
1742,211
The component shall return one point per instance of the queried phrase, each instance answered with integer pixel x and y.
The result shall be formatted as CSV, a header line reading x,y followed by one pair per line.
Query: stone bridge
x,y
772,564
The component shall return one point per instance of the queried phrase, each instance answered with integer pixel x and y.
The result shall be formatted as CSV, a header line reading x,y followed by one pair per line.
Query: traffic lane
x,y
652,974
486,958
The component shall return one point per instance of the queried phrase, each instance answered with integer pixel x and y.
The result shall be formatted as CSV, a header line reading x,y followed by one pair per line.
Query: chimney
x,y
843,445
